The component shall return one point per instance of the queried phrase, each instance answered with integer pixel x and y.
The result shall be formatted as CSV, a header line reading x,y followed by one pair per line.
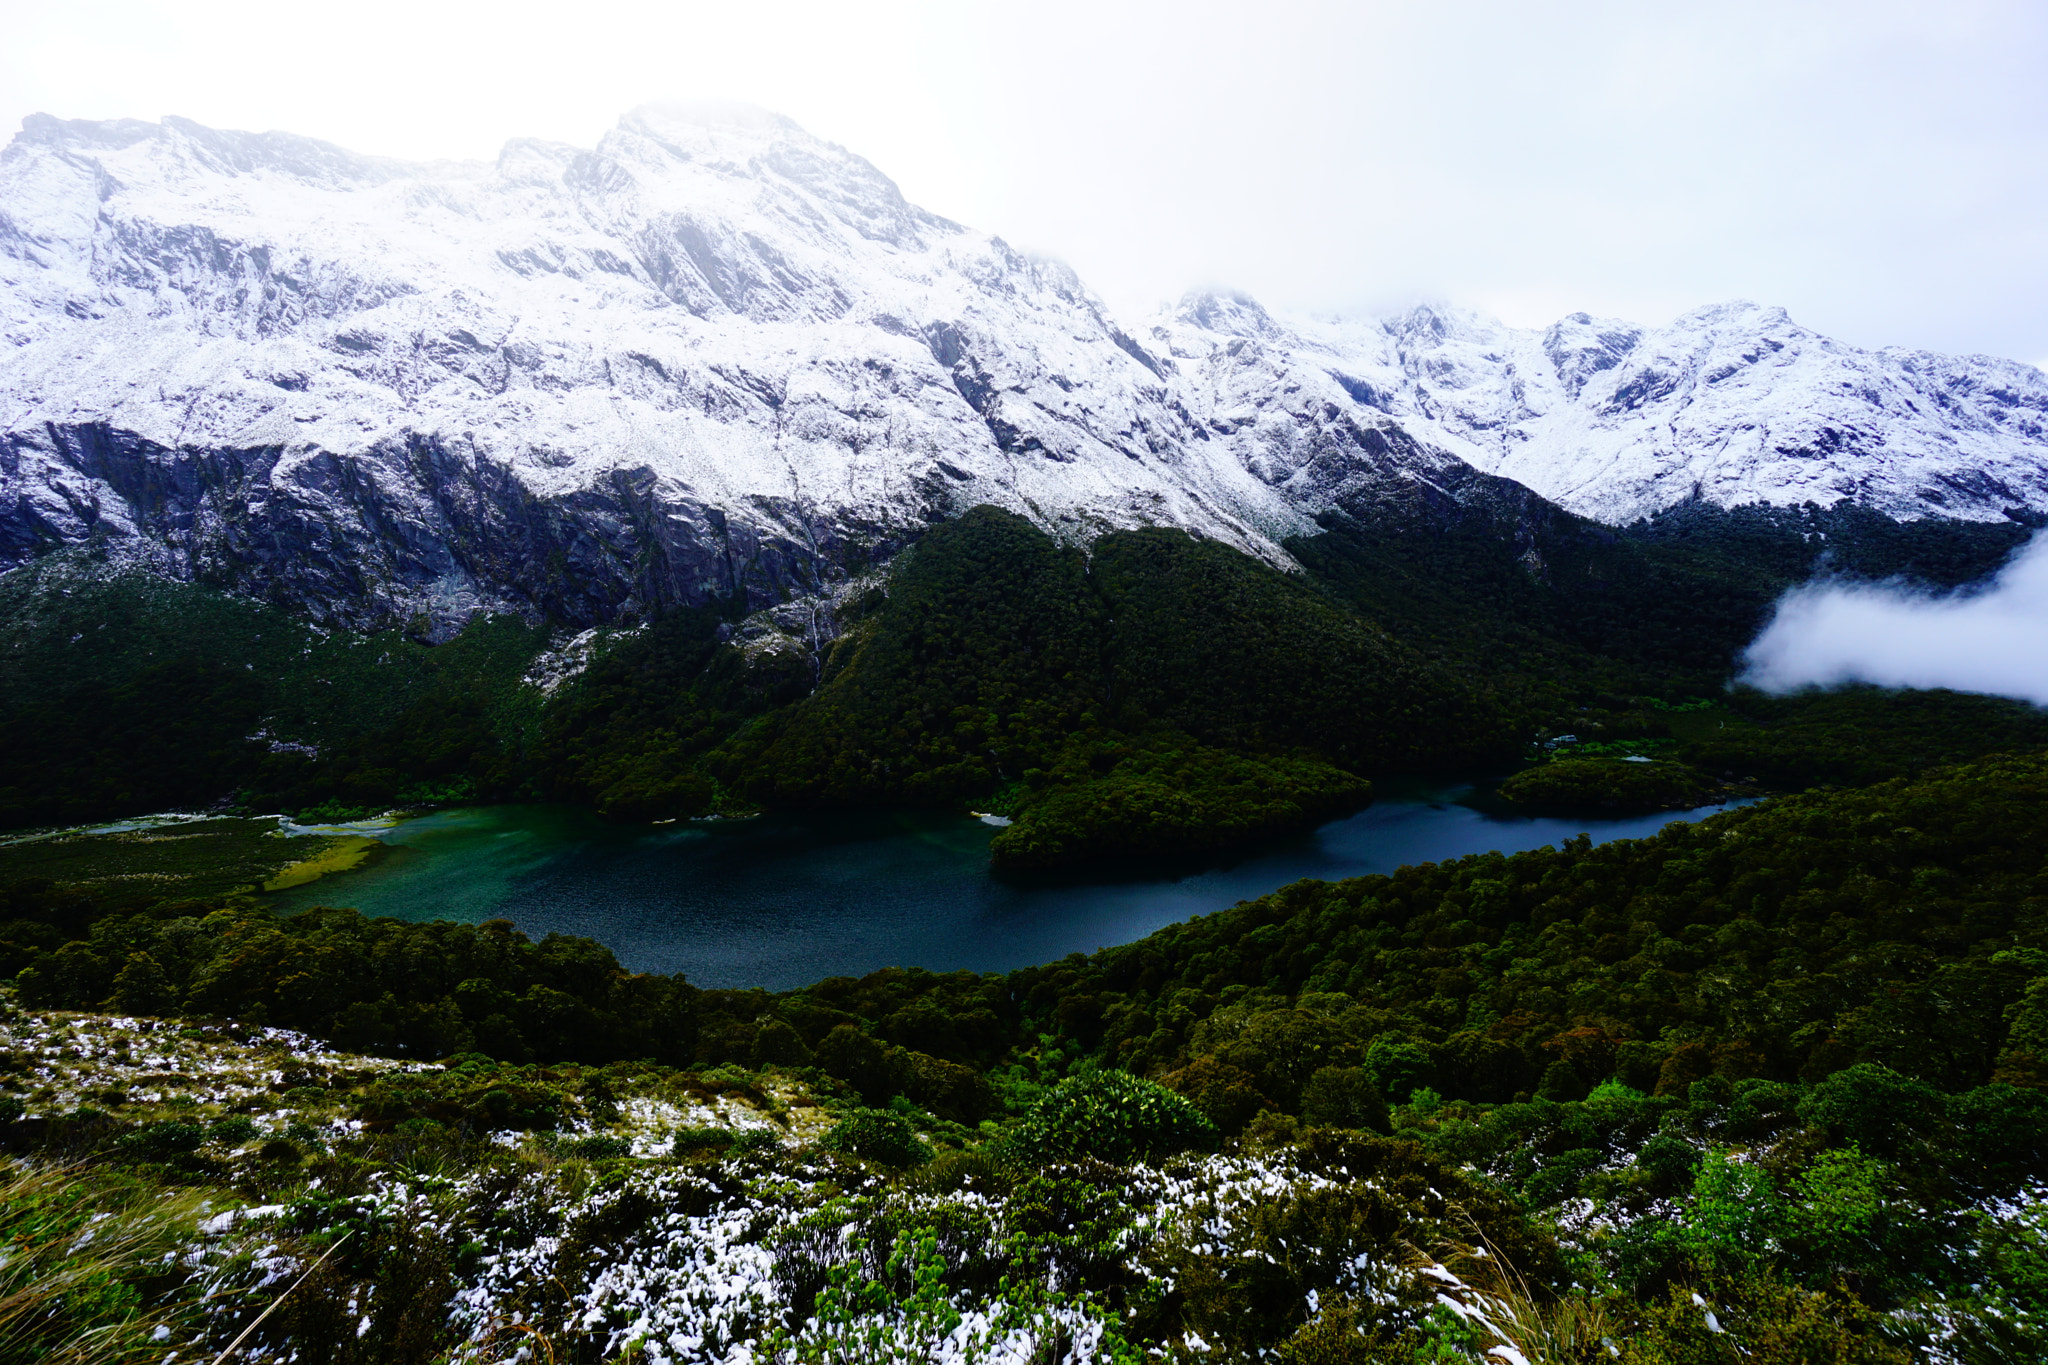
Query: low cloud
x,y
1992,639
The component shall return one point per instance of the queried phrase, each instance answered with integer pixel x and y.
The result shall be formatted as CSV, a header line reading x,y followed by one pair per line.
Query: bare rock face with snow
x,y
1729,405
718,357
714,355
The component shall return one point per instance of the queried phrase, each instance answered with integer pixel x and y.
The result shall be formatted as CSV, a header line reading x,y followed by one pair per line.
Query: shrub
x,y
1227,1095
947,1089
143,987
1281,1048
2003,1134
879,1136
1344,1097
1559,1178
154,1141
1109,1116
780,1045
1872,1107
690,1141
598,1147
1761,1108
1850,1222
1396,1065
1669,1161
851,1056
755,1142
71,978
1760,1318
235,1129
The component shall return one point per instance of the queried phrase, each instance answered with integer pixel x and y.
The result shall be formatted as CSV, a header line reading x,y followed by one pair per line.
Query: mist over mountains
x,y
716,357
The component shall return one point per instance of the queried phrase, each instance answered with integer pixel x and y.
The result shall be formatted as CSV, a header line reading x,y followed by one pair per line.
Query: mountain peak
x,y
718,355
1225,311
1737,313
1581,346
658,144
727,114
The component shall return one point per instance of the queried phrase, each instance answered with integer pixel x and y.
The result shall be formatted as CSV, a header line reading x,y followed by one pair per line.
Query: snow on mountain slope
x,y
1729,405
1318,412
715,356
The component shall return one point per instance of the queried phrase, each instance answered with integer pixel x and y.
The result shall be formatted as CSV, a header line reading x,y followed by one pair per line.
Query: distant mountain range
x,y
717,356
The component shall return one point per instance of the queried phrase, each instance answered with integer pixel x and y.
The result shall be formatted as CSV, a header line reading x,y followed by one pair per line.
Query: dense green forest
x,y
1895,924
1153,694
1792,1059
1768,1087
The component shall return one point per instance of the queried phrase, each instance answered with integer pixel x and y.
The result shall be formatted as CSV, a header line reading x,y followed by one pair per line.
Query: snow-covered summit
x,y
715,354
711,354
1729,405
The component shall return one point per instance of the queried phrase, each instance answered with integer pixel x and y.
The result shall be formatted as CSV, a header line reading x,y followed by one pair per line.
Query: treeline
x,y
1852,982
372,985
1159,695
1543,604
1850,987
1153,694
1852,736
128,694
1900,925
1659,756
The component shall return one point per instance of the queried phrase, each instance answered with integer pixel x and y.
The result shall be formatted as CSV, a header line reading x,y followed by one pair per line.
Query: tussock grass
x,y
79,1245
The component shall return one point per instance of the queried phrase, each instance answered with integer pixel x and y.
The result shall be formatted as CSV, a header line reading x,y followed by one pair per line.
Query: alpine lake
x,y
778,901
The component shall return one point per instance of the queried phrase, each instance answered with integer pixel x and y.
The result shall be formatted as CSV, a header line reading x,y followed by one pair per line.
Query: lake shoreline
x,y
790,898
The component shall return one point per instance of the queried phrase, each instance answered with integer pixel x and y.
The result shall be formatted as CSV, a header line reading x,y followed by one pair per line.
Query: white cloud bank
x,y
1993,639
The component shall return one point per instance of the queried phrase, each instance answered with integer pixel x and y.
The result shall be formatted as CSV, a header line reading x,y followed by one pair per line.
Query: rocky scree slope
x,y
717,358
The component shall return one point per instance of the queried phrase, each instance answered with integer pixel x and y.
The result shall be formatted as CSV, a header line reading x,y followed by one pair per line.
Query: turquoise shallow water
x,y
784,900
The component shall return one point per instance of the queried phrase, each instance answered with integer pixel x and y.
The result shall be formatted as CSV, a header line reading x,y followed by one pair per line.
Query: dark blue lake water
x,y
784,900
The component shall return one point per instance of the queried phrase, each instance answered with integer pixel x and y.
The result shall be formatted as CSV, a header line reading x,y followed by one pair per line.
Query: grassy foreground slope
x,y
1787,1066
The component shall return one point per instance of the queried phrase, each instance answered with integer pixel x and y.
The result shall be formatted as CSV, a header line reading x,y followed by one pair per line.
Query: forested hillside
x,y
1894,924
1152,693
894,602
1769,1087
1793,1059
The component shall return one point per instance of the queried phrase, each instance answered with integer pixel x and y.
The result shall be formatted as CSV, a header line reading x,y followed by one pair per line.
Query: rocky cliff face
x,y
715,356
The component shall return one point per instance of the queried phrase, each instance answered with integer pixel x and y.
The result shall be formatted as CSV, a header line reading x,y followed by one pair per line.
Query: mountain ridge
x,y
715,357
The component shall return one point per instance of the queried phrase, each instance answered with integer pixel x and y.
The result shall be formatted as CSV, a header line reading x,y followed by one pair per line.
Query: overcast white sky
x,y
1879,168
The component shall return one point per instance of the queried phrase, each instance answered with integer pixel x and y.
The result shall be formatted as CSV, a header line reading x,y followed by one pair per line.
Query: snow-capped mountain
x,y
717,355
1729,405
713,353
